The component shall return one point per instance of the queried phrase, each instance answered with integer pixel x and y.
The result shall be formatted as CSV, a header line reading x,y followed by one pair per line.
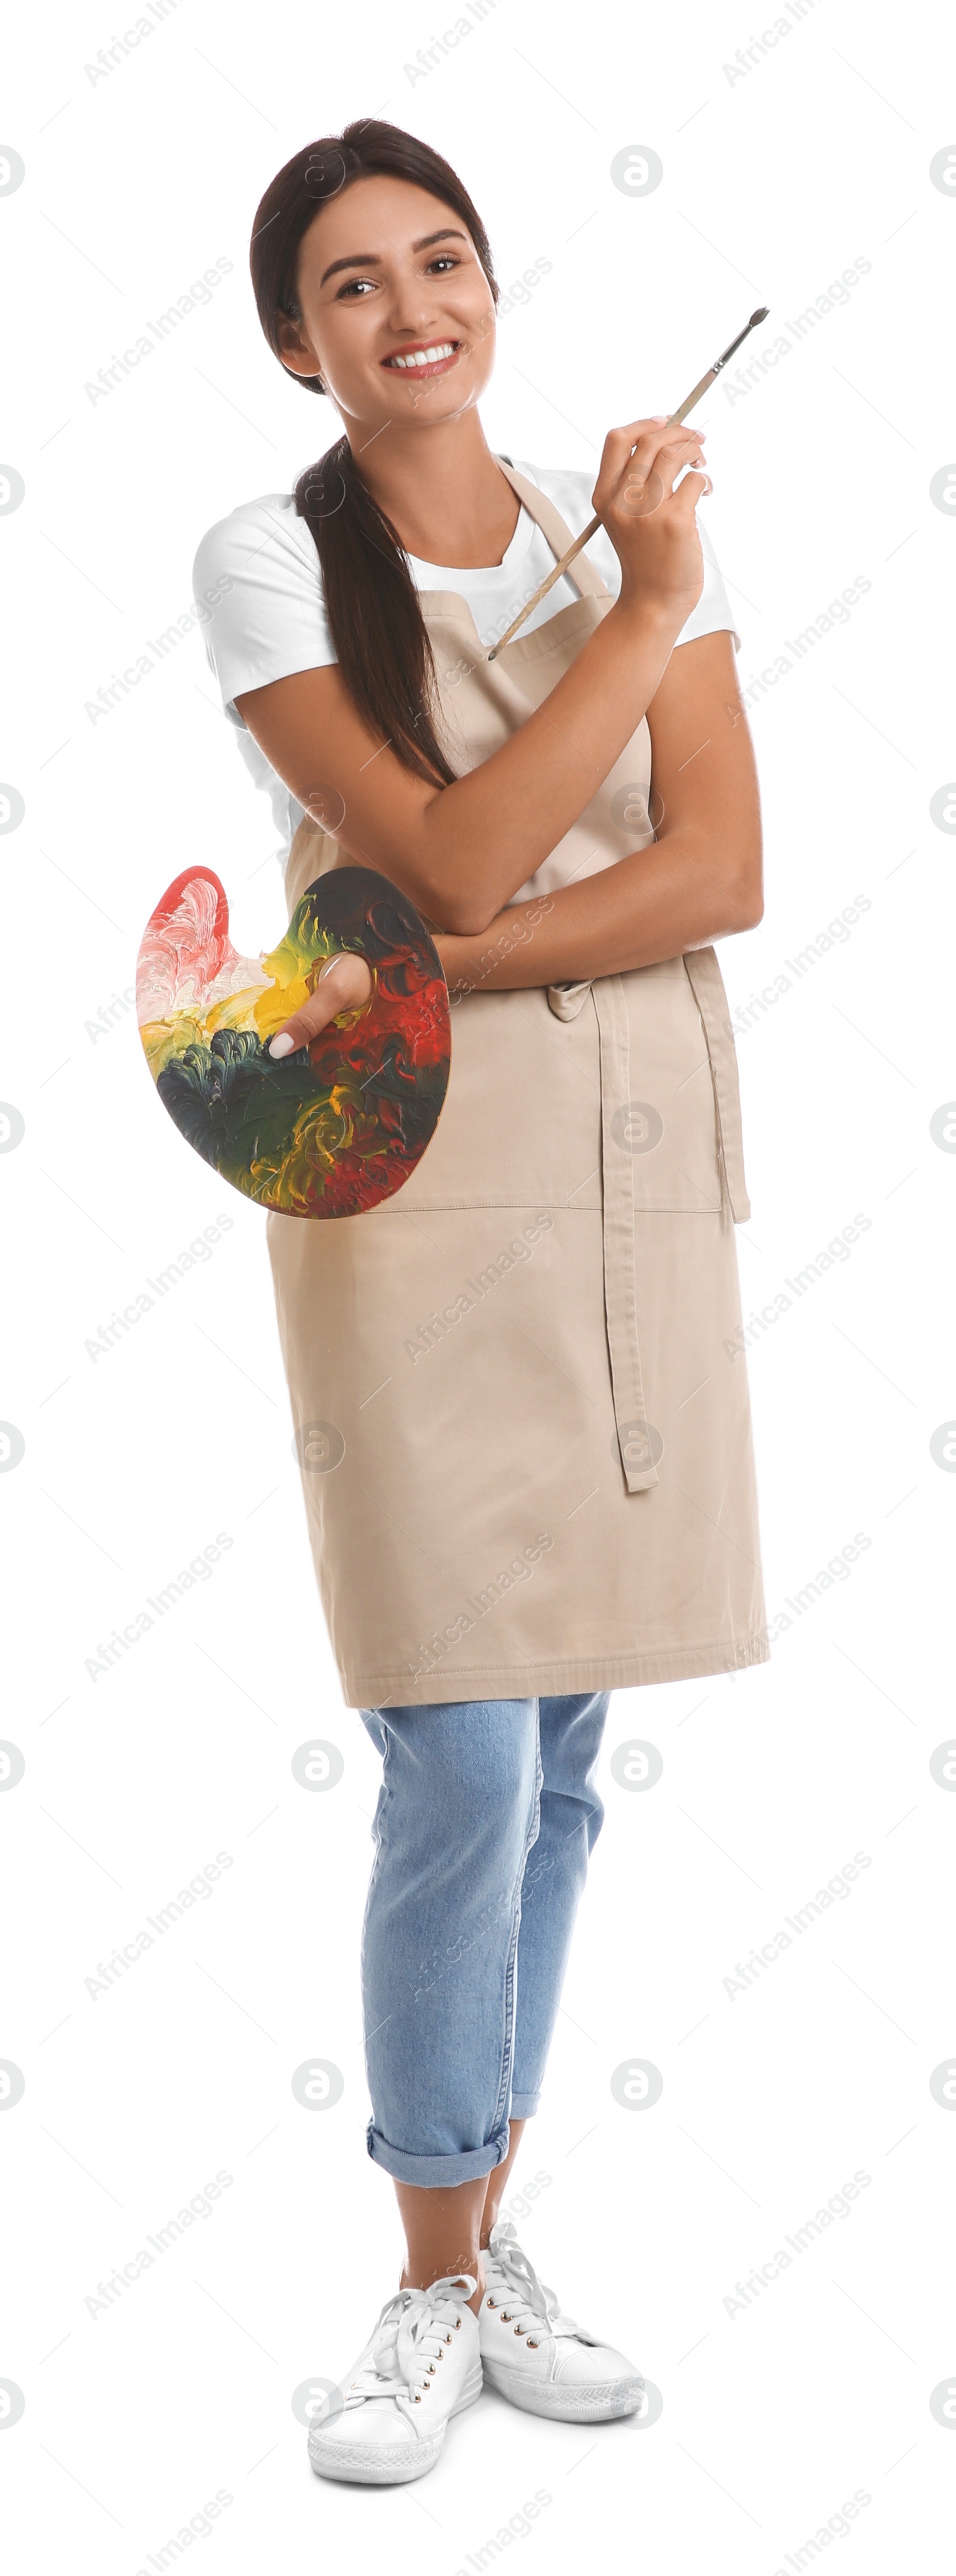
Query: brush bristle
x,y
758,317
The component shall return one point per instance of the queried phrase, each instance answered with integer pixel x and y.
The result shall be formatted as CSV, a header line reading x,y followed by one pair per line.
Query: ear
x,y
296,359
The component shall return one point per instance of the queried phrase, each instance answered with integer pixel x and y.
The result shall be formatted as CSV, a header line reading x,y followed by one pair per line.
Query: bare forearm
x,y
675,895
484,836
462,850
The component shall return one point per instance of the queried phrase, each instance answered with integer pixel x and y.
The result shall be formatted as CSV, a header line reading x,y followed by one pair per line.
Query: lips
x,y
430,358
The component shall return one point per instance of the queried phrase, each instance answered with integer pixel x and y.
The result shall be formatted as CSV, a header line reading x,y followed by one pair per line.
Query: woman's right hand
x,y
652,528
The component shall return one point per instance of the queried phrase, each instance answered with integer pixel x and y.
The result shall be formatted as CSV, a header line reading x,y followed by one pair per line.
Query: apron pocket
x,y
521,1124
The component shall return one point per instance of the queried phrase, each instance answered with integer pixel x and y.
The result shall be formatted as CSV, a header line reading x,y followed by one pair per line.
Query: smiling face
x,y
398,317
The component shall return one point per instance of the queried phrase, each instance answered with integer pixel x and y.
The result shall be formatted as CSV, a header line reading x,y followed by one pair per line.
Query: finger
x,y
658,449
640,500
646,484
694,488
647,435
666,449
631,430
343,984
636,437
696,482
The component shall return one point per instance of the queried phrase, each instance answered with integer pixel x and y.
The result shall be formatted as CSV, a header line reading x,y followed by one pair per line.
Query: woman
x,y
525,1443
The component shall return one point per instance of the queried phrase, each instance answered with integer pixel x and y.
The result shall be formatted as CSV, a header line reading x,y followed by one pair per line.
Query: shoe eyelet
x,y
457,2324
520,2329
490,2302
532,2343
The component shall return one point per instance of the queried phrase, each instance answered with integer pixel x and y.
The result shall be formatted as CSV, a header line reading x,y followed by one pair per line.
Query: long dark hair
x,y
371,601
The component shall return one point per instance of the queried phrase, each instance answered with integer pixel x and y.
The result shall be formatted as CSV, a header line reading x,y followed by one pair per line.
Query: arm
x,y
462,851
699,880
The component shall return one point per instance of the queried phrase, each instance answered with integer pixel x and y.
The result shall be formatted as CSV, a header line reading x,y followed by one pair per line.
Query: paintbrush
x,y
594,524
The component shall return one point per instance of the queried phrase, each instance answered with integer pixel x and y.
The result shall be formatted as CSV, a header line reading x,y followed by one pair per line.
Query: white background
x,y
773,182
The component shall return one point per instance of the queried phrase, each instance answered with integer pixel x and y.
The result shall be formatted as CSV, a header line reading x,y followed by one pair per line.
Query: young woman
x,y
524,1430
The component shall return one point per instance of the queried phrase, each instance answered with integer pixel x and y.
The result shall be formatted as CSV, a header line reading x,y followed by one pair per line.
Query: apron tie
x,y
707,985
634,1434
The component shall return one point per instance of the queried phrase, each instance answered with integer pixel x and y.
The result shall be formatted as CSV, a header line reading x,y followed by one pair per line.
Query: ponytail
x,y
375,621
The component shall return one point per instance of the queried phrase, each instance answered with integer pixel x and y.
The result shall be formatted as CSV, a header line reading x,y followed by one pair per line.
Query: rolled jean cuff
x,y
437,2172
524,2105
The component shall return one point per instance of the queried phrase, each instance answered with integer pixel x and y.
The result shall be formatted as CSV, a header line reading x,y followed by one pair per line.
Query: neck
x,y
440,486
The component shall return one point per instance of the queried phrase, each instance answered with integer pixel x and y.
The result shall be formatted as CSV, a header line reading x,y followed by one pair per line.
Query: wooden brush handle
x,y
586,533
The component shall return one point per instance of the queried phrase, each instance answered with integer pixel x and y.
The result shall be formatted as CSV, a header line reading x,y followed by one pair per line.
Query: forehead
x,y
377,213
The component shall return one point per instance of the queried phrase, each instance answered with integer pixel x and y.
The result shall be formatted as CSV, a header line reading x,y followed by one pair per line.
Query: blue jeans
x,y
486,1818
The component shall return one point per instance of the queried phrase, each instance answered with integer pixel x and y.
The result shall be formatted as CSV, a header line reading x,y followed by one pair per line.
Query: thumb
x,y
345,984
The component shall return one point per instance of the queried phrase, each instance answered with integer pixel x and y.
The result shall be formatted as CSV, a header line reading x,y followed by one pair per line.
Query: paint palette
x,y
339,1125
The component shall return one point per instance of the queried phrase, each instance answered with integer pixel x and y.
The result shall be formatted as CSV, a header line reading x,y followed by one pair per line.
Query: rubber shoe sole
x,y
360,2465
599,2404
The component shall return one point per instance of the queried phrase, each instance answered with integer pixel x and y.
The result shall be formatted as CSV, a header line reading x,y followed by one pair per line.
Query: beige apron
x,y
520,1407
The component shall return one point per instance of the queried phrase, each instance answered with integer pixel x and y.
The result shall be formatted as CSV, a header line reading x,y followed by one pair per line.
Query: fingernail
x,y
282,1045
661,417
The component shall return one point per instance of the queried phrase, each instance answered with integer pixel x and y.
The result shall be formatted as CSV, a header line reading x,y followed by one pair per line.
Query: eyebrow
x,y
370,258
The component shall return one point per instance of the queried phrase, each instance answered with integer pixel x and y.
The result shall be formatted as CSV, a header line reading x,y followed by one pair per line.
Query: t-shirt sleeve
x,y
257,577
713,613
571,494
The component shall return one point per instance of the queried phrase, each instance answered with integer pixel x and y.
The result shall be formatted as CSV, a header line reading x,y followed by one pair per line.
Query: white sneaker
x,y
421,2365
539,2358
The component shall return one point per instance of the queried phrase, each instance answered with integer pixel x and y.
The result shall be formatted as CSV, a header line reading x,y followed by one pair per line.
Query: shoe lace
x,y
412,2336
528,2301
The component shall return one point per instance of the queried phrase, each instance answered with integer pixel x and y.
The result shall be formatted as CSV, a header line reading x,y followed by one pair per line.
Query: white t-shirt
x,y
271,620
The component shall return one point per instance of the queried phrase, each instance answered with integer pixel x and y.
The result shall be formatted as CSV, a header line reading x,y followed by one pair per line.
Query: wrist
x,y
456,961
647,617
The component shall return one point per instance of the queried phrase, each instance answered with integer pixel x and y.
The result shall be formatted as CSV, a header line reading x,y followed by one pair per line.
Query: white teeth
x,y
425,357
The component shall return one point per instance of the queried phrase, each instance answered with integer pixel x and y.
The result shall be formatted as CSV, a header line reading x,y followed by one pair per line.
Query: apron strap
x,y
586,581
705,978
634,1435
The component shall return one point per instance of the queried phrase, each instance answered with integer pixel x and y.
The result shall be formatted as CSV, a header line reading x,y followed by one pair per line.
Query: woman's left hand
x,y
345,984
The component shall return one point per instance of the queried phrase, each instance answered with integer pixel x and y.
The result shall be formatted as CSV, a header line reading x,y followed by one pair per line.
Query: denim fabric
x,y
485,1821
